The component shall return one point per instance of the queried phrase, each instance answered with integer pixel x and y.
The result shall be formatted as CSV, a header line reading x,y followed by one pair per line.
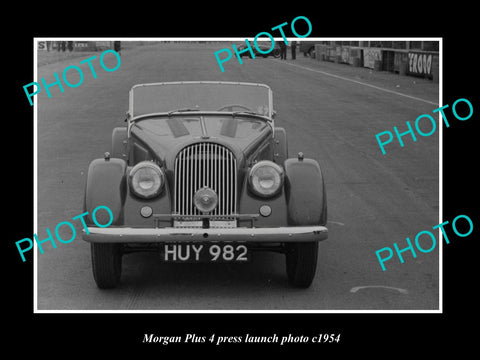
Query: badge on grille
x,y
205,199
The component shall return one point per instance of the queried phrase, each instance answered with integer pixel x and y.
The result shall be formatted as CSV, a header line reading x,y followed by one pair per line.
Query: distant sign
x,y
84,46
420,63
370,56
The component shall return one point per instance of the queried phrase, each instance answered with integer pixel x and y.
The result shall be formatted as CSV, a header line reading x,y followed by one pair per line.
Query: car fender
x,y
106,184
119,143
305,193
280,147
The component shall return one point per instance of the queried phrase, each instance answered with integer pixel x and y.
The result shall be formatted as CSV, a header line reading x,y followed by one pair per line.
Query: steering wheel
x,y
231,106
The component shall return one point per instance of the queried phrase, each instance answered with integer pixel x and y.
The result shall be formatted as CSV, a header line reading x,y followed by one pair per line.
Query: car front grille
x,y
205,165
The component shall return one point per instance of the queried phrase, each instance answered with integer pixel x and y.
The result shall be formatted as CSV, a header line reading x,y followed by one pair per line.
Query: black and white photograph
x,y
288,182
200,187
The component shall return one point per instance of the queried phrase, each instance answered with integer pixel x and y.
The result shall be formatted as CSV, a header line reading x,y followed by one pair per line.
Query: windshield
x,y
200,96
212,126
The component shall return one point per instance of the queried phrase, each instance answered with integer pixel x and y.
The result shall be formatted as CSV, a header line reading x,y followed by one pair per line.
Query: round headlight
x,y
266,178
146,179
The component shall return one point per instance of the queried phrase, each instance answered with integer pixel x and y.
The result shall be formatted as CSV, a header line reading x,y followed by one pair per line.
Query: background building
x,y
414,58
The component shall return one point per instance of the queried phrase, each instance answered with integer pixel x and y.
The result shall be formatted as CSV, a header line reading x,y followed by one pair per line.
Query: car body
x,y
266,50
201,173
308,48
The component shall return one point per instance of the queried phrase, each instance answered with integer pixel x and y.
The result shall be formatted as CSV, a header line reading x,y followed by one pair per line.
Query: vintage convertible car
x,y
201,174
275,52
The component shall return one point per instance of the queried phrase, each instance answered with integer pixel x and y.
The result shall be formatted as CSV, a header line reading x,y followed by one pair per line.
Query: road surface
x,y
331,113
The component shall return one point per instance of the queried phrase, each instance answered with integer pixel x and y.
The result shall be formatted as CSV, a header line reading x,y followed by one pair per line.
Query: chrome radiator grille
x,y
205,165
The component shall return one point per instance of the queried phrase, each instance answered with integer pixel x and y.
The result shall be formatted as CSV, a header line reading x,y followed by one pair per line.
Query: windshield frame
x,y
130,111
131,120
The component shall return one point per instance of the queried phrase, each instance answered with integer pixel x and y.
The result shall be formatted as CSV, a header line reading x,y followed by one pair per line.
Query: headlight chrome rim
x,y
146,180
272,173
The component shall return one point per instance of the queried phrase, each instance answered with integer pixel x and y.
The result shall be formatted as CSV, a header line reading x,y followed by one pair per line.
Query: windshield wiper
x,y
235,113
159,114
179,110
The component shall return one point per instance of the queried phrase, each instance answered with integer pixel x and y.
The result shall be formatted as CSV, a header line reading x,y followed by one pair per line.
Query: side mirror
x,y
127,116
274,113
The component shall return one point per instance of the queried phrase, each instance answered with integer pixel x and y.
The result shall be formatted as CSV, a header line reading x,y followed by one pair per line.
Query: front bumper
x,y
179,235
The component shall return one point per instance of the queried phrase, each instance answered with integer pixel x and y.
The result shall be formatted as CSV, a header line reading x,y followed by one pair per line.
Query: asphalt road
x,y
331,113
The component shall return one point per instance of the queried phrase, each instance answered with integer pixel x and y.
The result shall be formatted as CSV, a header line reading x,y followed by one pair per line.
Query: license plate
x,y
205,253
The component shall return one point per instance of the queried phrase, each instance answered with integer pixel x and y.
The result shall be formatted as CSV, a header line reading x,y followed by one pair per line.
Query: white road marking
x,y
356,288
359,82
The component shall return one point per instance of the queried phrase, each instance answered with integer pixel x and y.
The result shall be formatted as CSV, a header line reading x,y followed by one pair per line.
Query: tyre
x,y
106,264
276,53
301,261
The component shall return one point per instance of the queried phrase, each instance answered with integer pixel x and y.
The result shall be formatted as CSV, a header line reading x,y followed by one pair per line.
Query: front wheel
x,y
106,264
301,261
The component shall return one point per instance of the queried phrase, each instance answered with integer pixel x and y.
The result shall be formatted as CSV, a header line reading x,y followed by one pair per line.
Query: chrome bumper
x,y
178,235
